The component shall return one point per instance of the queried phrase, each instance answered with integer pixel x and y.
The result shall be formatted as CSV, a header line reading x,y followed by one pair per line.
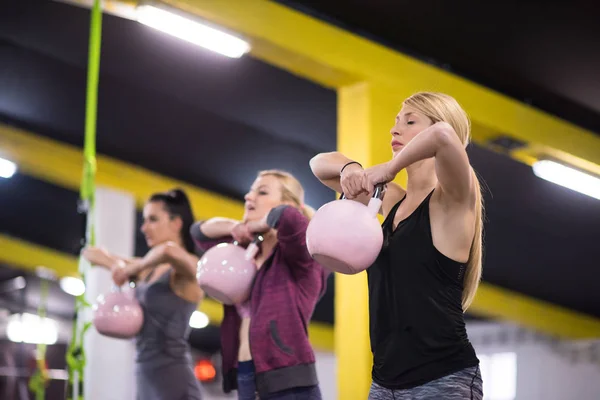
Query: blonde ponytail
x,y
441,107
474,265
307,211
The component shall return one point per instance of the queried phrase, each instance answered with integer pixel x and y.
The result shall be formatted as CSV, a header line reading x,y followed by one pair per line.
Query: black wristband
x,y
350,163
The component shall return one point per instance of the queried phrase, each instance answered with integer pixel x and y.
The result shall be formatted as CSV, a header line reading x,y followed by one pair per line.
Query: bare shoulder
x,y
393,194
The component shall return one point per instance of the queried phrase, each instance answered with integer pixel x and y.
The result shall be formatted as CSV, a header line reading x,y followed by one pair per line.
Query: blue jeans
x,y
247,387
245,381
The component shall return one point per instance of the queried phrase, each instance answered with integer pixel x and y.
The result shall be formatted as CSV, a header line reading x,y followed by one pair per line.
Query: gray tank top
x,y
163,338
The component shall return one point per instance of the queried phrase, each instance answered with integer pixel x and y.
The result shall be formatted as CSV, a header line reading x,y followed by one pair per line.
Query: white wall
x,y
326,371
545,369
558,378
109,360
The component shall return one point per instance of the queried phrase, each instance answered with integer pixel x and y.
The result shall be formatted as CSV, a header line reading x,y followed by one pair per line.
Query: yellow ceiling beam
x,y
334,57
24,255
491,301
61,164
29,256
529,312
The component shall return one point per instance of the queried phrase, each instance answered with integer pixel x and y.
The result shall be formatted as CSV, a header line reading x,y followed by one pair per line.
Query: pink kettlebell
x,y
345,236
226,272
118,314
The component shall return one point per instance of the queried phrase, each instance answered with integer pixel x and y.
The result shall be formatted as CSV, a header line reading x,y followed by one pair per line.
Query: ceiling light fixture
x,y
30,328
199,320
189,29
568,177
7,168
73,286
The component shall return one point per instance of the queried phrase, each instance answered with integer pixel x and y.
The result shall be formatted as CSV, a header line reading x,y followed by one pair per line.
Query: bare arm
x,y
327,166
207,234
452,165
182,262
217,227
100,257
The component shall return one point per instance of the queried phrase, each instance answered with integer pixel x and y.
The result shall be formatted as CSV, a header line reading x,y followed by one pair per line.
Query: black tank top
x,y
416,321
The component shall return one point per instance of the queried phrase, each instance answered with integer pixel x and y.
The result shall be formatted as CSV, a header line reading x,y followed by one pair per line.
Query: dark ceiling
x,y
163,103
213,122
545,53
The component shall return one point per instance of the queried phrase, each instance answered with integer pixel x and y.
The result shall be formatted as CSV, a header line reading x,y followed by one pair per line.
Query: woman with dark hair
x,y
166,288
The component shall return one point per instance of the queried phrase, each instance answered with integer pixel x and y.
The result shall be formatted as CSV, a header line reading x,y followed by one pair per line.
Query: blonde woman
x,y
429,267
264,342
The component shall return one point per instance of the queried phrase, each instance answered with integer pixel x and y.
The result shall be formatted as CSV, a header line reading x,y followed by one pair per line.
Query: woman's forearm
x,y
170,253
99,257
326,166
215,228
425,145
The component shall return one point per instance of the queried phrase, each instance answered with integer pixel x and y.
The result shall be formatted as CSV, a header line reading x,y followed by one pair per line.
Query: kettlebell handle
x,y
253,247
377,193
258,238
117,289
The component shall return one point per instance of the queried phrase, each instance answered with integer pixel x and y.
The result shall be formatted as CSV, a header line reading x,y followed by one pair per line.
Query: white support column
x,y
110,368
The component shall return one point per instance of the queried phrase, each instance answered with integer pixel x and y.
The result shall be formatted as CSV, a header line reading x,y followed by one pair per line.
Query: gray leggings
x,y
462,385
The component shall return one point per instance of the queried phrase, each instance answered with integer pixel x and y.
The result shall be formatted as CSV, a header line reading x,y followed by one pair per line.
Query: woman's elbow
x,y
318,164
314,163
444,132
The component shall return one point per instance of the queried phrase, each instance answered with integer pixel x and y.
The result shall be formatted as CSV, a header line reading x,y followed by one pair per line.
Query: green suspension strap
x,y
75,354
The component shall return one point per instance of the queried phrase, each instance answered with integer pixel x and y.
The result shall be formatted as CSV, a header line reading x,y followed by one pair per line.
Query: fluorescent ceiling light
x,y
568,177
199,320
30,328
72,286
192,31
7,168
